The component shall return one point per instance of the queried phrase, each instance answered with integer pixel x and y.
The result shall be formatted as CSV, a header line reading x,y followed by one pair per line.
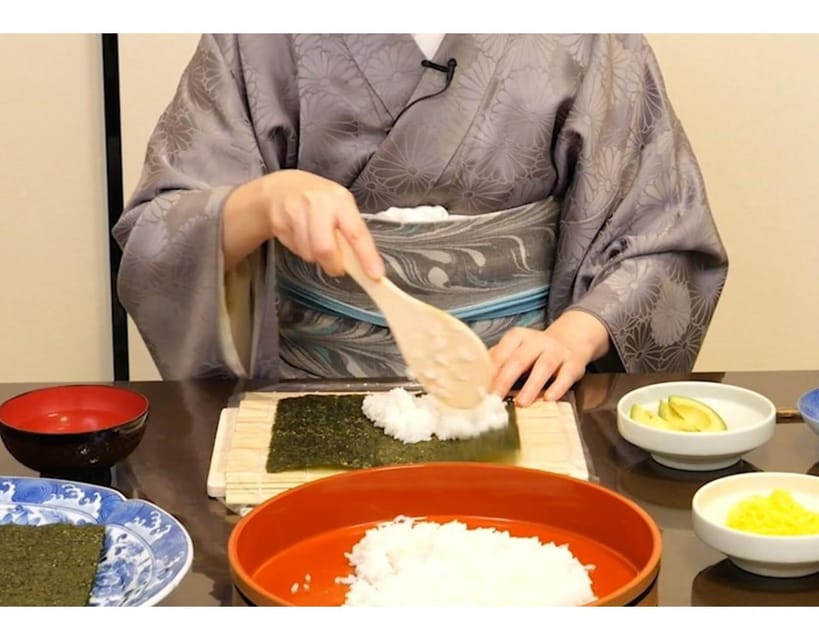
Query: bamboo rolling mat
x,y
549,438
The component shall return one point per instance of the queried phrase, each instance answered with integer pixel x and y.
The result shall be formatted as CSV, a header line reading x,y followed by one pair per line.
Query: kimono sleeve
x,y
171,278
638,248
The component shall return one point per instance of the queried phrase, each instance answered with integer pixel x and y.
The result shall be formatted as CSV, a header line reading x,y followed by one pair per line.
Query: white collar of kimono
x,y
428,42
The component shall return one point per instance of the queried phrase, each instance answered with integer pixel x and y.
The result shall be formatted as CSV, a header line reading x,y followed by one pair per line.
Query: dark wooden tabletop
x,y
170,467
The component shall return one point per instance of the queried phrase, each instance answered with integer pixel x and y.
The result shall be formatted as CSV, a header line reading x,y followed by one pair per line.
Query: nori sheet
x,y
51,565
331,431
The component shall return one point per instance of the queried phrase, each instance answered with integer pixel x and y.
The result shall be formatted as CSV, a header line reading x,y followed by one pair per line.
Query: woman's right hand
x,y
302,211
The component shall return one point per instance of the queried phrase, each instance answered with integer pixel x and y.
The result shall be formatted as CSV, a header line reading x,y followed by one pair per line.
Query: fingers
x,y
321,224
507,368
521,351
545,365
545,359
309,219
568,373
305,227
355,231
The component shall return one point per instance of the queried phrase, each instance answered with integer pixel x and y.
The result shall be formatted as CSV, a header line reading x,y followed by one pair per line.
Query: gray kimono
x,y
578,124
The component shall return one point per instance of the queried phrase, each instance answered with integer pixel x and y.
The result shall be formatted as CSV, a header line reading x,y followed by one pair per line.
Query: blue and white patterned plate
x,y
146,552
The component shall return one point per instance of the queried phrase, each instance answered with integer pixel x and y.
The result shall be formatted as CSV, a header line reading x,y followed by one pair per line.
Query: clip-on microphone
x,y
449,70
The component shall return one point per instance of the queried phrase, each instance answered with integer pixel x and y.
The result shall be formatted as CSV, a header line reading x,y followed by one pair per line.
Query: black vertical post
x,y
113,168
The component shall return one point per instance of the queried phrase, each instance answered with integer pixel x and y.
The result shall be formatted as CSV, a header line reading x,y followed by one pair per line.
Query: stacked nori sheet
x,y
52,565
331,431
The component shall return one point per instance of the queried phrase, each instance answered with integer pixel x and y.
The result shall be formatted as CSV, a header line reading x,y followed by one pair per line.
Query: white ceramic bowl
x,y
749,416
808,405
777,556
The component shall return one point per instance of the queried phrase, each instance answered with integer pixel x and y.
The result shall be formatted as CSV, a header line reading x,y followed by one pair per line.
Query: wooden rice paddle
x,y
442,353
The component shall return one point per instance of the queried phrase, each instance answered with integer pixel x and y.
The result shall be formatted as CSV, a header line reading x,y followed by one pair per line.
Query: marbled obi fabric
x,y
492,271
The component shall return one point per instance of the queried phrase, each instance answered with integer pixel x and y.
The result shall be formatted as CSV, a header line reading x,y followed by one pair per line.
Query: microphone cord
x,y
449,70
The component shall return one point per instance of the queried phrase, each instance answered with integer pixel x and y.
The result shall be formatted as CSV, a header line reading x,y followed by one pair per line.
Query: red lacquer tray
x,y
307,530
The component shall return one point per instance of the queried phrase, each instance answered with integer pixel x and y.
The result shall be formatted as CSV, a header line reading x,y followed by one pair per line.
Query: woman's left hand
x,y
560,353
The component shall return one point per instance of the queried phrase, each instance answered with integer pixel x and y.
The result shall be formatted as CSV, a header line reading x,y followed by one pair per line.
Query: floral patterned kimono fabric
x,y
580,120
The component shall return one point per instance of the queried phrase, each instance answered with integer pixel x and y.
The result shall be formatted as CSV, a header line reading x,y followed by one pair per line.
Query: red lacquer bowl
x,y
73,427
307,530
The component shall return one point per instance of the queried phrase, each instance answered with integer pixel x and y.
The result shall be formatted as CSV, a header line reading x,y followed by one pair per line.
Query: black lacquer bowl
x,y
73,428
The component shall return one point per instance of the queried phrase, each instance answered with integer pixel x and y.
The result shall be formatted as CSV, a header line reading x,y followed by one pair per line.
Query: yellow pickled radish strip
x,y
776,514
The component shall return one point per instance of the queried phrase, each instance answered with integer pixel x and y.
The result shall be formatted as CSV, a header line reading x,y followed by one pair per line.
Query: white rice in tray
x,y
420,563
412,418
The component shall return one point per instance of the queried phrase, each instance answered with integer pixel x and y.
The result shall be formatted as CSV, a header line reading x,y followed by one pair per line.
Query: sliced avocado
x,y
698,413
648,418
677,420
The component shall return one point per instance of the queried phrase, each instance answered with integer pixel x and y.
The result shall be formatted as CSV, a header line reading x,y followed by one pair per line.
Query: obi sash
x,y
490,270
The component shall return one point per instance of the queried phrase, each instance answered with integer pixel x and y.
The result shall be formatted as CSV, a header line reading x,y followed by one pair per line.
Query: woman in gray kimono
x,y
572,227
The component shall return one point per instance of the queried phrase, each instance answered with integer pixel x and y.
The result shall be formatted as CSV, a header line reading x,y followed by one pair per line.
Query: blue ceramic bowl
x,y
808,405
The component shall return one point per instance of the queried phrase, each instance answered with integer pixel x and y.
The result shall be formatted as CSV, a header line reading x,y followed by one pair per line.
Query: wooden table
x,y
170,467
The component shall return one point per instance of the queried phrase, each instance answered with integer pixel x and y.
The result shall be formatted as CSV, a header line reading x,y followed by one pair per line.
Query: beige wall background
x,y
54,301
747,101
